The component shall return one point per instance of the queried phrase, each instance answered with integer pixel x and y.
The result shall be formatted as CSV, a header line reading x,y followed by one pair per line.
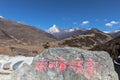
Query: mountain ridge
x,y
64,33
24,32
112,47
21,39
85,40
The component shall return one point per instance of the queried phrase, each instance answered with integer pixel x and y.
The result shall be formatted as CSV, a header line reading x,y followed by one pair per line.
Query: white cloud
x,y
110,24
114,22
85,22
1,17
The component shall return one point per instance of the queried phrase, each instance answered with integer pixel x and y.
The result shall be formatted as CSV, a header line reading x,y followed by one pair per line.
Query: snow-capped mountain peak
x,y
115,33
71,30
117,30
107,32
54,29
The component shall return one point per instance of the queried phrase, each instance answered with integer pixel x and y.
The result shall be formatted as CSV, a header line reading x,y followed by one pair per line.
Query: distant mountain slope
x,y
86,40
24,33
21,39
112,47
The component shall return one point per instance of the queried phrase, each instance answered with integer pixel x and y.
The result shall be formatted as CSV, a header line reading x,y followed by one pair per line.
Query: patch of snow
x,y
71,30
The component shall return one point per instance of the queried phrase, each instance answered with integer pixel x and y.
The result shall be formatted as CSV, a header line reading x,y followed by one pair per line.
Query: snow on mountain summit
x,y
118,30
54,29
64,33
116,33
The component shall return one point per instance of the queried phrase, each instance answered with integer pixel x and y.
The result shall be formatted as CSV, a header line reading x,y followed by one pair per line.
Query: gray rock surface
x,y
68,64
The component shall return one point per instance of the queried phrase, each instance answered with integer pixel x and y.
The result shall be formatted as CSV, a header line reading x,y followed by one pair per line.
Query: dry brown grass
x,y
26,50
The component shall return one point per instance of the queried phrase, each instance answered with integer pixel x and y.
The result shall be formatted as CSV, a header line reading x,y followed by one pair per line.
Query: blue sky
x,y
102,14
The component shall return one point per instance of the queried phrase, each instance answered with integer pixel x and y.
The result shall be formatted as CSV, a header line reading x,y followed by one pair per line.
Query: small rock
x,y
6,66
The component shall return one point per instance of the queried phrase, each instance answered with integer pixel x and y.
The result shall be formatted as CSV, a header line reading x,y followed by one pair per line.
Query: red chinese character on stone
x,y
52,64
79,68
59,66
90,70
77,65
62,66
73,64
42,65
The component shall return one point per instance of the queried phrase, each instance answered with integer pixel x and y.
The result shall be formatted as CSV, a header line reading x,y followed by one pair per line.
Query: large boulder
x,y
68,64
